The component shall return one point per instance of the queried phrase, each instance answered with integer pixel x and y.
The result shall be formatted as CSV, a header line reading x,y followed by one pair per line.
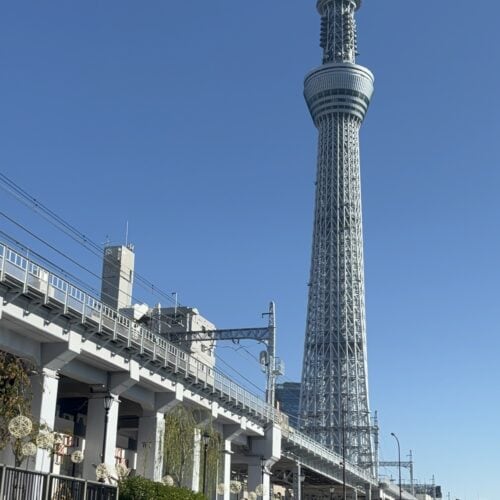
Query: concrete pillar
x,y
43,407
195,473
368,492
297,483
254,476
225,473
258,475
268,451
95,434
150,441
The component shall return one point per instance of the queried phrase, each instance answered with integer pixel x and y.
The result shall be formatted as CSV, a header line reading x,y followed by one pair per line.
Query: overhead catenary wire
x,y
76,279
70,230
79,237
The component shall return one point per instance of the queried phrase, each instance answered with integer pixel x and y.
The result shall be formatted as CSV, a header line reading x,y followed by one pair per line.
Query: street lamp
x,y
206,439
399,464
108,401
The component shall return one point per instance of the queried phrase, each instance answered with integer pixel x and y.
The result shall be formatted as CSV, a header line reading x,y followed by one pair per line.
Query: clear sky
x,y
186,119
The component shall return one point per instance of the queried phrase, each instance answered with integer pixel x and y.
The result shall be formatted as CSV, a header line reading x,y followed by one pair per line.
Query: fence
x,y
18,484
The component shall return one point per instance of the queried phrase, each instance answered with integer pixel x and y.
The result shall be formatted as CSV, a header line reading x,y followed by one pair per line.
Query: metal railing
x,y
54,291
18,484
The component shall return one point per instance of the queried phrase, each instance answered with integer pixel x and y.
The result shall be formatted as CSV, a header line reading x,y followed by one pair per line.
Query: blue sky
x,y
186,119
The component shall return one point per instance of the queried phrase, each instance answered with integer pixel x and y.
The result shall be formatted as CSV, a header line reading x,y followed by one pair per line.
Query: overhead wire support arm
x,y
259,334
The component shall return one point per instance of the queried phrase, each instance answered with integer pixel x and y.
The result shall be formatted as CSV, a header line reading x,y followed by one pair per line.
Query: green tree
x,y
15,399
15,392
180,426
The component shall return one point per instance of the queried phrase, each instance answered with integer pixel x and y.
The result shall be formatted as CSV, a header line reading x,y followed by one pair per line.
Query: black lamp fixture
x,y
206,440
108,401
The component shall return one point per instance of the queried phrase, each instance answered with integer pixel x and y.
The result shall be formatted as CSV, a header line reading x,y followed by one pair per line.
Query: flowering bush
x,y
221,489
102,471
168,480
28,449
45,440
77,457
235,487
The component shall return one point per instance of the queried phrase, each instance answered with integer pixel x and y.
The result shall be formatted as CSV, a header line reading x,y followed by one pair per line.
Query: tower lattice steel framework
x,y
334,406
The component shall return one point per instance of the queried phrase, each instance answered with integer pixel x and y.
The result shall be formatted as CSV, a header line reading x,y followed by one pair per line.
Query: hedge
x,y
139,488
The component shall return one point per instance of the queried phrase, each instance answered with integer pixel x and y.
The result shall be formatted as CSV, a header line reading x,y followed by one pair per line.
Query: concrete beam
x,y
268,447
19,345
231,431
56,355
142,396
84,373
121,381
165,401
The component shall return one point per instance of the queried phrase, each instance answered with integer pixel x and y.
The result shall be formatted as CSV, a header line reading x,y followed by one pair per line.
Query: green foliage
x,y
15,392
180,426
139,488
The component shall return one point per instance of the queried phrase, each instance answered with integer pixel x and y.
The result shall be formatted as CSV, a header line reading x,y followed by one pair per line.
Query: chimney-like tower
x,y
334,407
117,276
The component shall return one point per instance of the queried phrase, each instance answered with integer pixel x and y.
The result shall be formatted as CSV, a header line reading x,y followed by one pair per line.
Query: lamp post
x,y
108,401
206,439
399,464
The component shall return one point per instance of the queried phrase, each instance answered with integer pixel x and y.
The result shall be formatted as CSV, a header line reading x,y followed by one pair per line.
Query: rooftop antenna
x,y
126,234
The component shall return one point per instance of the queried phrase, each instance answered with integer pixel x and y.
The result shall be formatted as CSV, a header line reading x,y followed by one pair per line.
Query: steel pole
x,y
399,464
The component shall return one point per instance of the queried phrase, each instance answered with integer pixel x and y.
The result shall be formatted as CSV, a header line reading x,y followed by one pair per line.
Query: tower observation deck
x,y
334,406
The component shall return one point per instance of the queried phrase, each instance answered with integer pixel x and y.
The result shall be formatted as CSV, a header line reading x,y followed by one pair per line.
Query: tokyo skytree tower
x,y
334,406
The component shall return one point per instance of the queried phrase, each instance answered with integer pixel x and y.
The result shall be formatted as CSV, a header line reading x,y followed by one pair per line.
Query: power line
x,y
70,230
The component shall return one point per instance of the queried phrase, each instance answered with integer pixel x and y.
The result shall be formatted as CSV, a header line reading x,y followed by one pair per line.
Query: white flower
x,y
58,439
259,490
235,486
77,457
252,495
45,440
221,489
102,471
28,449
20,426
121,471
168,480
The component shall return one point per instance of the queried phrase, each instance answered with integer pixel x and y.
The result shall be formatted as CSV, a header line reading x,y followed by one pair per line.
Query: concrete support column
x,y
195,476
368,492
297,483
225,473
95,435
150,442
257,475
43,407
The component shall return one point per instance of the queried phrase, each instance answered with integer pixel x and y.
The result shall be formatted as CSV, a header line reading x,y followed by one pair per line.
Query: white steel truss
x,y
334,403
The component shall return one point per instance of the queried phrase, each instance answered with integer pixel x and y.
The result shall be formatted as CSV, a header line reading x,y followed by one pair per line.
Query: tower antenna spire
x,y
334,406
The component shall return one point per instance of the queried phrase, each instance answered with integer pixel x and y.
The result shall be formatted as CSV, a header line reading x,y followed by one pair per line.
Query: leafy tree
x,y
15,392
180,426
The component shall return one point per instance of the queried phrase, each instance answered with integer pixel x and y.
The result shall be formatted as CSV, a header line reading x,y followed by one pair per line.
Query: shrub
x,y
140,488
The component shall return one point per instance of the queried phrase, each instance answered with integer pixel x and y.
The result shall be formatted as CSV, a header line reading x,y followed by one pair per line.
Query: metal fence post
x,y
2,481
85,490
46,487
